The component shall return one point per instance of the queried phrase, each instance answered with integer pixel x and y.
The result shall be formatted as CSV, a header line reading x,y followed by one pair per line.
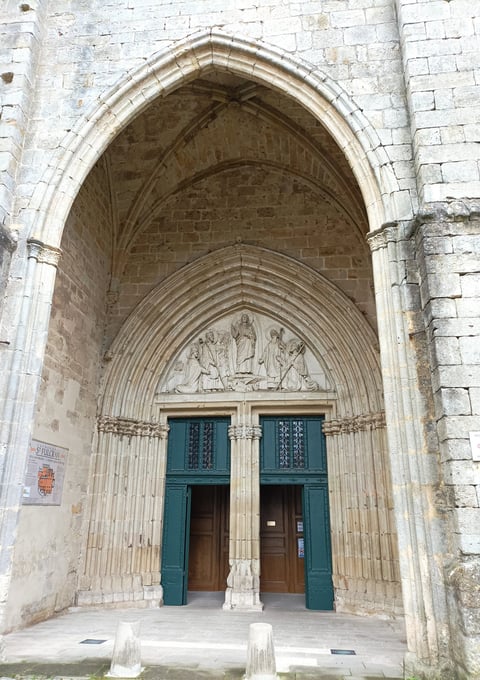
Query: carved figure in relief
x,y
245,338
273,357
212,356
224,340
230,357
296,376
193,372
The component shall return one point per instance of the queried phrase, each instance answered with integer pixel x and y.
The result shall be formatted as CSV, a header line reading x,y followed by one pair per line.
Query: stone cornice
x,y
460,210
444,212
369,421
244,432
127,427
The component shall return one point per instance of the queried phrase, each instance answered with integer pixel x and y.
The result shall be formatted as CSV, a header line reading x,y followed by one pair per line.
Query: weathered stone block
x,y
446,351
467,307
445,285
471,285
454,427
440,308
474,394
460,472
453,401
465,496
469,522
457,328
470,349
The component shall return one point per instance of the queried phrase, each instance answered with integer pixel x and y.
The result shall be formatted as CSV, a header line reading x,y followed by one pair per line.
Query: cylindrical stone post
x,y
126,652
260,653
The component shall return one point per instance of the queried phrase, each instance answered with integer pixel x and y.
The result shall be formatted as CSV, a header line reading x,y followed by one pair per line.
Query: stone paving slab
x,y
201,640
94,672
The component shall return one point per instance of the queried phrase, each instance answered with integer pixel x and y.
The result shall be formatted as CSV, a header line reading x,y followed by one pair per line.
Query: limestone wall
x,y
440,42
447,247
272,210
50,538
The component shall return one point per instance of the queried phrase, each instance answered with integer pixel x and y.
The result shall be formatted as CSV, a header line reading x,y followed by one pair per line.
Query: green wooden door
x,y
318,570
292,451
176,530
198,453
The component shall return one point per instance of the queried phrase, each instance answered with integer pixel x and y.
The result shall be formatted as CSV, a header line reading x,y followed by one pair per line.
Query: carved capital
x,y
43,253
366,421
244,432
131,428
331,427
380,238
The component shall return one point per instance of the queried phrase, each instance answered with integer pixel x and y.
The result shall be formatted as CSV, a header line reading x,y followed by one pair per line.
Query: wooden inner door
x,y
209,528
281,539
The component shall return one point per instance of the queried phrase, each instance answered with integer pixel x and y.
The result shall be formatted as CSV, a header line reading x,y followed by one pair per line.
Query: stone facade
x,y
166,167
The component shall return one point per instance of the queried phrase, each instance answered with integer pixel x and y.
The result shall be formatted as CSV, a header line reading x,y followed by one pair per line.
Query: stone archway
x,y
74,159
132,424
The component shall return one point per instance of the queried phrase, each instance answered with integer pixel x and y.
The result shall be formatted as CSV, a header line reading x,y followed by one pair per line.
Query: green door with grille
x,y
292,451
198,453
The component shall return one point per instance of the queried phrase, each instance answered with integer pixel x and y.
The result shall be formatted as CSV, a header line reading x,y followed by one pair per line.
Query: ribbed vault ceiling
x,y
208,127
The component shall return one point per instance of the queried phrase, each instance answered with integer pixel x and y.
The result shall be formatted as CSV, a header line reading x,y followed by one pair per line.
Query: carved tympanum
x,y
245,352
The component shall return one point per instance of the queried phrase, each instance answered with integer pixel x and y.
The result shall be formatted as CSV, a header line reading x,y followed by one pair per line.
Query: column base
x,y
243,587
245,601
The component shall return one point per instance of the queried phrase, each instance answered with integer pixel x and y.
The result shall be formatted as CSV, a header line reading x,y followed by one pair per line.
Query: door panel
x,y
175,544
209,523
281,568
317,549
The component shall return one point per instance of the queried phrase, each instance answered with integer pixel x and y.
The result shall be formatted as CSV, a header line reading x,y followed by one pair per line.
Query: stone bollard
x,y
260,653
126,651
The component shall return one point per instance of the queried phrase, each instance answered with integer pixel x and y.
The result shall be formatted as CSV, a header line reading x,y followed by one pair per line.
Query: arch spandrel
x,y
274,288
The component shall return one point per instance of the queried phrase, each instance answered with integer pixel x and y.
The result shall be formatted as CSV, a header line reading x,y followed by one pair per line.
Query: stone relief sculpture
x,y
214,357
245,338
273,357
295,376
193,372
245,353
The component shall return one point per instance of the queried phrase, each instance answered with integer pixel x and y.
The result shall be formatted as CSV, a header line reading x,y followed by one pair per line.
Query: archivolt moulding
x,y
225,284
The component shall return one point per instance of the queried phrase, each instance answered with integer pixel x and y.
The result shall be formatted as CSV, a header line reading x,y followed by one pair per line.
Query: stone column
x,y
412,450
122,559
364,542
243,582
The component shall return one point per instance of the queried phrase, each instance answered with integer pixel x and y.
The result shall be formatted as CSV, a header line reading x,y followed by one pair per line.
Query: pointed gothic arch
x,y
226,280
185,60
